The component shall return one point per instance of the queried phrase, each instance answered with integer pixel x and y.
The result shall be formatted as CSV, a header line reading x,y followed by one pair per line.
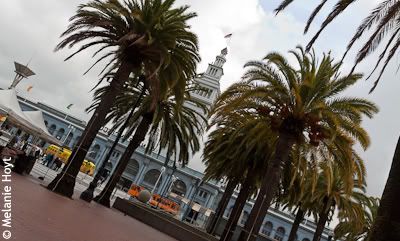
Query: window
x,y
243,220
95,150
60,133
209,93
179,187
151,178
280,233
115,154
52,129
203,194
69,138
267,228
132,168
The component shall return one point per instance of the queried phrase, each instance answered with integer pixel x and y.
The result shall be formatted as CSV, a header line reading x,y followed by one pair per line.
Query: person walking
x,y
48,159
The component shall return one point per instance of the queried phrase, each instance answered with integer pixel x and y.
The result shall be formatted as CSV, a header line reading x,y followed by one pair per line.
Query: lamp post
x,y
71,130
168,190
158,179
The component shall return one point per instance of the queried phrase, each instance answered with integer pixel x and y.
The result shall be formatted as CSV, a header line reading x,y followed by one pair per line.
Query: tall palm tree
x,y
172,127
299,181
302,105
350,230
382,28
332,192
230,153
135,37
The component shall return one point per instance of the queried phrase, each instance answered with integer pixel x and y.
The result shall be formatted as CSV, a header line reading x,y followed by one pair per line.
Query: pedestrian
x,y
58,164
53,165
48,159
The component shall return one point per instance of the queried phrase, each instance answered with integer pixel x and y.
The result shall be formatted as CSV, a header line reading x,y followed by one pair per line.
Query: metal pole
x,y
158,179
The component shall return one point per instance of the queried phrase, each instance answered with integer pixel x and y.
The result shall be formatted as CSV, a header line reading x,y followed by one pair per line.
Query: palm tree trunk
x,y
64,182
323,217
296,224
223,203
387,221
237,208
268,188
140,134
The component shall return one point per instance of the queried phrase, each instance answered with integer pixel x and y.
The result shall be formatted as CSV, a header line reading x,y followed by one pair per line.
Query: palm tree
x,y
172,127
135,37
382,27
297,181
333,191
302,105
383,20
230,153
350,230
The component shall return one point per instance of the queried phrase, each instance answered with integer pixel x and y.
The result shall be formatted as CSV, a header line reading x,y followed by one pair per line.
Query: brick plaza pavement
x,y
41,215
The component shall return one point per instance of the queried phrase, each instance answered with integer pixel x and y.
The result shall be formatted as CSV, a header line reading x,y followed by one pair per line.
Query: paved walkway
x,y
40,215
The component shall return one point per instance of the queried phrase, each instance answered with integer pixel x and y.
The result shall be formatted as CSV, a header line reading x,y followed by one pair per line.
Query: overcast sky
x,y
31,29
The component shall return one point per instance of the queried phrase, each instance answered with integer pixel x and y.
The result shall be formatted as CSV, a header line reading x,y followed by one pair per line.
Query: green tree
x,y
237,149
350,230
302,105
134,37
381,27
172,127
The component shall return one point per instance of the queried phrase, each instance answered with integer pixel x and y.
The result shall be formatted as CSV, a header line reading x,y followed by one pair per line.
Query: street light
x,y
71,130
174,179
158,179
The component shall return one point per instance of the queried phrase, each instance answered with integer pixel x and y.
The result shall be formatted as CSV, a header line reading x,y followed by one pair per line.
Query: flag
x,y
228,35
29,88
69,106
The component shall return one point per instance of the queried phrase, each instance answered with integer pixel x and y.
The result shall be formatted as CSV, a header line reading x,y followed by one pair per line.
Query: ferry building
x,y
146,169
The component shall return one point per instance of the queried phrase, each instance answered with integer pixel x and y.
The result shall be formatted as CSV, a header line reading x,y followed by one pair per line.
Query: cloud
x,y
33,28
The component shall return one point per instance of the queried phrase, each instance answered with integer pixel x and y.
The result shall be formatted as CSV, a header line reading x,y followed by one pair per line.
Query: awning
x,y
9,106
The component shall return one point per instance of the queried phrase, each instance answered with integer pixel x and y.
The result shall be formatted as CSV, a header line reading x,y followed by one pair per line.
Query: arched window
x,y
60,133
52,129
150,179
243,220
109,166
132,169
267,228
95,150
69,138
179,187
306,239
280,233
